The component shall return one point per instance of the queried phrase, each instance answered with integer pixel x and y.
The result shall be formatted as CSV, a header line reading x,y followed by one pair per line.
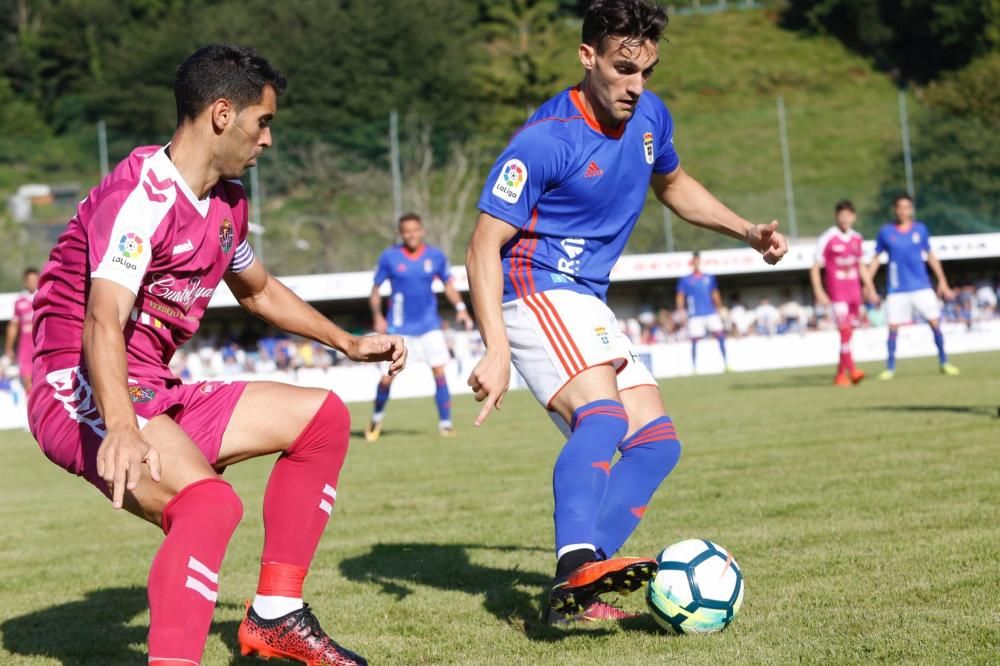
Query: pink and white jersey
x,y
23,312
840,253
144,229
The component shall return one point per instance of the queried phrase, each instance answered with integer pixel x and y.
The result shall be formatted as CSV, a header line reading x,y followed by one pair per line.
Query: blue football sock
x,y
939,341
648,456
381,397
694,353
722,348
581,472
891,363
443,399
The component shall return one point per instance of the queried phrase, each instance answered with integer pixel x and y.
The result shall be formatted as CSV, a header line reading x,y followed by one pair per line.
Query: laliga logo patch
x,y
647,146
130,245
510,182
226,235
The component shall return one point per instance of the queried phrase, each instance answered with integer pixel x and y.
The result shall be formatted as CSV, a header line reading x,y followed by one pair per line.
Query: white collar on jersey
x,y
163,162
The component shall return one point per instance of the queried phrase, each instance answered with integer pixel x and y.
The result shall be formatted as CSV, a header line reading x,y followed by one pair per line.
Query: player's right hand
x,y
119,462
490,380
381,325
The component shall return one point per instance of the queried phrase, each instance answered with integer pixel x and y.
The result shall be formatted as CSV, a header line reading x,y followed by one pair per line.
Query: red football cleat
x,y
841,380
295,636
574,595
857,375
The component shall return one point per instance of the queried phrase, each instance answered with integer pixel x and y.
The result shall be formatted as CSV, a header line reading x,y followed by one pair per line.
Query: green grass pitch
x,y
865,520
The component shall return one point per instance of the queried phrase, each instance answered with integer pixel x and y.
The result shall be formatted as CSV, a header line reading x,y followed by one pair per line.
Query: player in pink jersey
x,y
126,284
838,255
19,328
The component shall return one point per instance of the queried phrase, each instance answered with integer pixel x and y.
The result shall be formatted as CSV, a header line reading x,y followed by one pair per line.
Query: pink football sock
x,y
184,578
301,492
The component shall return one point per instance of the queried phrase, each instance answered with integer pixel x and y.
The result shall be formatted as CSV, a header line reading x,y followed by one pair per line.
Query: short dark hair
x,y
635,21
900,197
28,271
696,254
844,204
406,217
223,71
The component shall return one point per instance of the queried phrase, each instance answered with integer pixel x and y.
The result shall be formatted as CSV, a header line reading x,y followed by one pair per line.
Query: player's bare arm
x,y
688,198
817,284
680,303
375,304
123,450
717,299
490,378
455,298
265,297
13,328
868,284
943,288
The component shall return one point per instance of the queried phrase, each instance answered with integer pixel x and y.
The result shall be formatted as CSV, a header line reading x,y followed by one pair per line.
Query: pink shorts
x,y
63,416
846,314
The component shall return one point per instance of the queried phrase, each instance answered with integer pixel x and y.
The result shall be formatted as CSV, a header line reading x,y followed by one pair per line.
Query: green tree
x,y
917,39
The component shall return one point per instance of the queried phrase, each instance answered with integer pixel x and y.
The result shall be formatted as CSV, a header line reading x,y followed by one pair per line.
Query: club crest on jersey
x,y
602,335
140,393
226,235
510,182
428,265
916,237
647,147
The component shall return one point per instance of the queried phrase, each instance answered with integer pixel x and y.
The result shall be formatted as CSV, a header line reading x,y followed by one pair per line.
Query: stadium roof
x,y
630,268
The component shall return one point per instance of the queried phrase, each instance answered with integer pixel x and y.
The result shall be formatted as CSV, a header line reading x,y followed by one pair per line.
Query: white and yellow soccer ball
x,y
697,589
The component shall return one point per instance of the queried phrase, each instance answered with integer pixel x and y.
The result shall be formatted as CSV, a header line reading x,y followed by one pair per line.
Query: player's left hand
x,y
464,319
946,292
378,348
766,239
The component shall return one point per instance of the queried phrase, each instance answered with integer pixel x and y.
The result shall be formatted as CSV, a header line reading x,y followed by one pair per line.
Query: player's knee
x,y
212,502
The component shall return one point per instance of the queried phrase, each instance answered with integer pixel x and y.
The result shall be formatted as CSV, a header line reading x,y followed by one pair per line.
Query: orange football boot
x,y
296,636
574,595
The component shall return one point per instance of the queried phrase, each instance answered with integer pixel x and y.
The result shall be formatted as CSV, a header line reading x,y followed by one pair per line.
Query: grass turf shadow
x,y
95,631
794,381
398,567
992,411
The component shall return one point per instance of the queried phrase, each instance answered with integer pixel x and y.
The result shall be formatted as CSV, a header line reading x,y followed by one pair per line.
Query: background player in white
x,y
411,268
906,243
698,300
556,213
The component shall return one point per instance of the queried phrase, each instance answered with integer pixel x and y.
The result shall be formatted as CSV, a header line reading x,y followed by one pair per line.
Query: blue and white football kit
x,y
413,309
574,191
703,318
907,283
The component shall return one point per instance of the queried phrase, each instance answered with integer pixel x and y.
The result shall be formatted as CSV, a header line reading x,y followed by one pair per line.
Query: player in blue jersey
x,y
906,242
555,215
411,269
698,298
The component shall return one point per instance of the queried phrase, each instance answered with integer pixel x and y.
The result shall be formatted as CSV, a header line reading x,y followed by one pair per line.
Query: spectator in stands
x,y
791,315
741,319
767,317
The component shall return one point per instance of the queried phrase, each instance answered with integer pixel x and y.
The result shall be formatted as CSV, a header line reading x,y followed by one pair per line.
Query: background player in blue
x,y
698,298
411,269
555,215
907,244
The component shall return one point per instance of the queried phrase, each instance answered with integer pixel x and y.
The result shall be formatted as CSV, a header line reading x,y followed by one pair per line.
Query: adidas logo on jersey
x,y
593,171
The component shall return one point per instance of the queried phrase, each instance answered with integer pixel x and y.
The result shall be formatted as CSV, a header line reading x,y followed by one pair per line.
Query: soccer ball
x,y
697,589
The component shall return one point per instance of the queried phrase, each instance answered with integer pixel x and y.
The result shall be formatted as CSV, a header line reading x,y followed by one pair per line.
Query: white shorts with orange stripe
x,y
557,334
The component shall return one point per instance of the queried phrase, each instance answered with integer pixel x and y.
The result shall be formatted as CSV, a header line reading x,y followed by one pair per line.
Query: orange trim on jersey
x,y
415,254
555,312
576,97
563,336
520,259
